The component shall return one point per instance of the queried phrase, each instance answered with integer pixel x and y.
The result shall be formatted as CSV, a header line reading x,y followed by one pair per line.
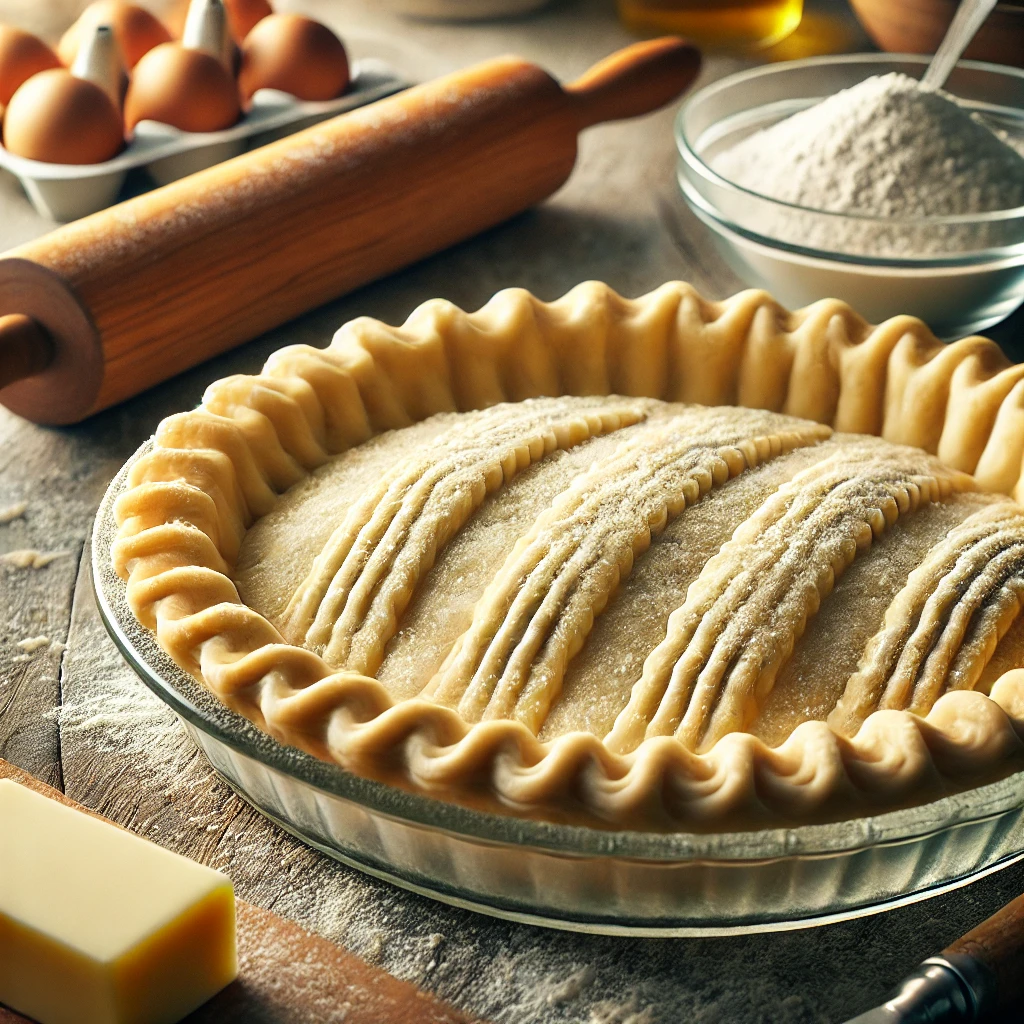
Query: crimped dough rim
x,y
216,469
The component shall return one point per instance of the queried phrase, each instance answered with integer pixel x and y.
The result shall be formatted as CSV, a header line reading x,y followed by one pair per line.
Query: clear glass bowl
x,y
973,272
563,876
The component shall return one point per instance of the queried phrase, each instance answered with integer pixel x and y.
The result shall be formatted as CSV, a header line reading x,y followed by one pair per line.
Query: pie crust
x,y
672,757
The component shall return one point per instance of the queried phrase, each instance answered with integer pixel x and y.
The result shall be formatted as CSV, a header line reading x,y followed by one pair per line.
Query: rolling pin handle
x,y
25,348
634,81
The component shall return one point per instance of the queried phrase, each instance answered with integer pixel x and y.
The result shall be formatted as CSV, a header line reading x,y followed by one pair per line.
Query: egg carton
x,y
65,192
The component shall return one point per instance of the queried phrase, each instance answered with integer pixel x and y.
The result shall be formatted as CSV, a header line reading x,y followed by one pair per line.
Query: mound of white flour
x,y
885,148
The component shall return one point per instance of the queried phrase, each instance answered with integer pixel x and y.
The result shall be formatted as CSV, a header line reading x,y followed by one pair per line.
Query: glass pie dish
x,y
569,876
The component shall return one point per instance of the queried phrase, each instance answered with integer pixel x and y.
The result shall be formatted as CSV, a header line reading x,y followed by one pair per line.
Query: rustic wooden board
x,y
36,602
617,220
288,975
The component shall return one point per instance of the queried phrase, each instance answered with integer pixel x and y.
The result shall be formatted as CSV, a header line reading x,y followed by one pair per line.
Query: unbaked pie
x,y
633,562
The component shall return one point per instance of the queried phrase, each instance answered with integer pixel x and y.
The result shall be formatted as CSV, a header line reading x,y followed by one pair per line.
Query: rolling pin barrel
x,y
110,305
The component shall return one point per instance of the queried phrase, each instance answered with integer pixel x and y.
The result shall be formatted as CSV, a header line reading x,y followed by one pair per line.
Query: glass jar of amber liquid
x,y
719,24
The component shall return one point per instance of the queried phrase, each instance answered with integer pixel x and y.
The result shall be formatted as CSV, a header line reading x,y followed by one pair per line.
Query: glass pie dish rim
x,y
203,711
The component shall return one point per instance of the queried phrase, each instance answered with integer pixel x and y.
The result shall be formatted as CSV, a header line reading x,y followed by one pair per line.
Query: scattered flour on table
x,y
31,644
884,148
12,512
611,1011
30,558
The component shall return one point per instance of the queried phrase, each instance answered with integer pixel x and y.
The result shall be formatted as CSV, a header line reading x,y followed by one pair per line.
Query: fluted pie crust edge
x,y
215,470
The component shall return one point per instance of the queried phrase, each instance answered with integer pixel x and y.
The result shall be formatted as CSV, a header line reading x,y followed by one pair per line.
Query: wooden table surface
x,y
67,707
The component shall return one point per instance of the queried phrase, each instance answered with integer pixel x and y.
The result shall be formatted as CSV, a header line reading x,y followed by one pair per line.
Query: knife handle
x,y
997,946
980,973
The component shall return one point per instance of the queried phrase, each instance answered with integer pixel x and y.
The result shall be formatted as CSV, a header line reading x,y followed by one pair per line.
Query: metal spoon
x,y
969,17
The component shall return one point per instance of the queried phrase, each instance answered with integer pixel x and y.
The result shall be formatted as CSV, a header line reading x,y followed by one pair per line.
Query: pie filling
x,y
632,568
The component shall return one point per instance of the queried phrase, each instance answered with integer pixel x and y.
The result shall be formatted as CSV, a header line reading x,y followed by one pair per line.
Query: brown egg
x,y
21,56
243,15
293,54
188,89
63,120
136,30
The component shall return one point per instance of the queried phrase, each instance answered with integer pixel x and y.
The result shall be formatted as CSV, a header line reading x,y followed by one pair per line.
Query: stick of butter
x,y
98,926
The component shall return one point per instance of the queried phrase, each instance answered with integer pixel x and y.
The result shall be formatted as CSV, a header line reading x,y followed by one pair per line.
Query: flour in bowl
x,y
884,148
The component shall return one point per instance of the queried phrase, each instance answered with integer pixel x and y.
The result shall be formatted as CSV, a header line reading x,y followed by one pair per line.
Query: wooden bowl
x,y
917,26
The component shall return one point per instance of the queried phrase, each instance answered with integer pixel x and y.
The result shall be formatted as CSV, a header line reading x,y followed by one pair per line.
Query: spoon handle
x,y
969,17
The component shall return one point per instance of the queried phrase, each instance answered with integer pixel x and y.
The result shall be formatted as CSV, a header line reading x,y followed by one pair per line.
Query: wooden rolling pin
x,y
105,307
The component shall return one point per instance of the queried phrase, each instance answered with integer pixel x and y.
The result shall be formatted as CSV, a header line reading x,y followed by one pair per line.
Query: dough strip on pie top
x,y
348,606
537,612
745,611
943,627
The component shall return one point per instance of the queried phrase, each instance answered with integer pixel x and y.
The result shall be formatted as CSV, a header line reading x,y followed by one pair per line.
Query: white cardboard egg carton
x,y
67,191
